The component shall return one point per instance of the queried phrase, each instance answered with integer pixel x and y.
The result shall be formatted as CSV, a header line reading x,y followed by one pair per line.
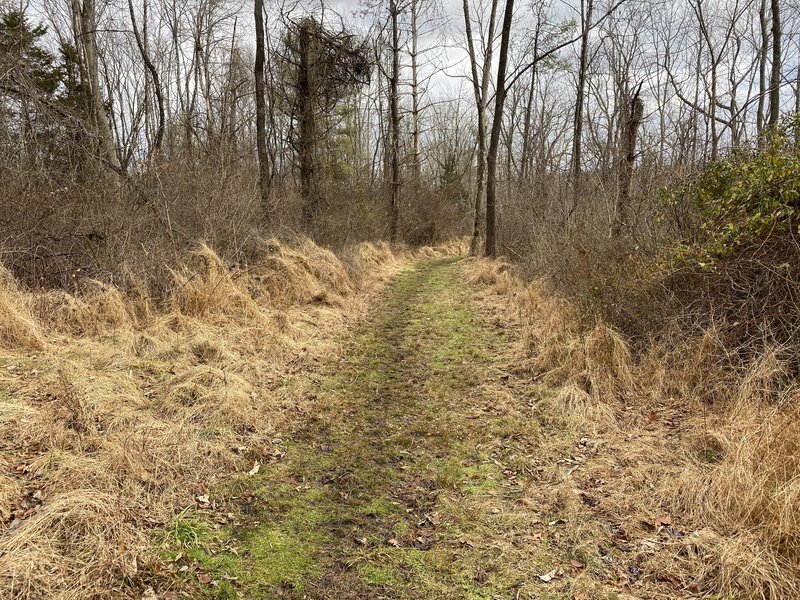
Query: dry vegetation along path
x,y
406,481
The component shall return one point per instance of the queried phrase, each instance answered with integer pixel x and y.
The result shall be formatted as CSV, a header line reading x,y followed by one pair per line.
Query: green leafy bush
x,y
745,197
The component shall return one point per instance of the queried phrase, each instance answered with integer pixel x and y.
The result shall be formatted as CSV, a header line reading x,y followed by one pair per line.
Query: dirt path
x,y
410,477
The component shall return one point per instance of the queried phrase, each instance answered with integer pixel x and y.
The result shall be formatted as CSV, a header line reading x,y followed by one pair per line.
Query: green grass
x,y
387,489
281,558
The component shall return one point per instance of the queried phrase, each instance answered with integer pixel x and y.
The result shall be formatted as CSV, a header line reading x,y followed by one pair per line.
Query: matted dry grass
x,y
687,478
115,413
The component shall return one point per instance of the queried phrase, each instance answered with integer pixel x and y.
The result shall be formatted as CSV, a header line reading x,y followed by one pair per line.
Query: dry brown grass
x,y
100,309
18,329
115,414
742,482
694,464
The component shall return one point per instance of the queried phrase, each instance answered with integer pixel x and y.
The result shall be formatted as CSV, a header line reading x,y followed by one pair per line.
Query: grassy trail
x,y
407,480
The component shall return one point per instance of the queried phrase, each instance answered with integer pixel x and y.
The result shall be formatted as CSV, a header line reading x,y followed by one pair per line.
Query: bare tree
x,y
587,7
762,66
480,87
415,93
261,112
494,139
141,43
394,112
85,30
775,77
633,122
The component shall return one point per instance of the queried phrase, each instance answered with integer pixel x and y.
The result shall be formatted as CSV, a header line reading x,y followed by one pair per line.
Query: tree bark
x,y
587,6
416,149
307,128
481,92
394,206
494,140
85,18
762,68
526,128
775,76
261,113
634,121
151,68
797,91
525,160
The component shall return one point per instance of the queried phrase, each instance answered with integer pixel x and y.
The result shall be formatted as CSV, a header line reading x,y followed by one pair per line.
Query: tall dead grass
x,y
117,411
687,431
18,329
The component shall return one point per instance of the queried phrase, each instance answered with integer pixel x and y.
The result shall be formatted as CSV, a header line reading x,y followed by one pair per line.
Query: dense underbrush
x,y
682,352
684,434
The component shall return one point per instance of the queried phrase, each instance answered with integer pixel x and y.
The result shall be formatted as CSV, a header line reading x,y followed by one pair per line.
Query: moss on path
x,y
406,481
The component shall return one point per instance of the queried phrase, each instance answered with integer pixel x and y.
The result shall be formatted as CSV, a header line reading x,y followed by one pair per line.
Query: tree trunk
x,y
479,183
797,91
394,206
85,18
307,129
416,150
151,68
775,77
797,109
526,127
587,6
713,110
762,68
634,121
494,140
481,92
261,112
525,159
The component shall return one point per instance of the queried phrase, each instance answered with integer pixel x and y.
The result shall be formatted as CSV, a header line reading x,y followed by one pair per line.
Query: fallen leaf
x,y
393,542
466,542
549,576
662,520
202,499
577,564
204,578
255,468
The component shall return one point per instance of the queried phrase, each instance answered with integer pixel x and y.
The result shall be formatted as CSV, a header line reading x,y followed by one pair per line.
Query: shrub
x,y
746,197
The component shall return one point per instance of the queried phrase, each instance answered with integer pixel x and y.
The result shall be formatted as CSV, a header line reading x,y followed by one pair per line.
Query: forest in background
x,y
129,131
634,164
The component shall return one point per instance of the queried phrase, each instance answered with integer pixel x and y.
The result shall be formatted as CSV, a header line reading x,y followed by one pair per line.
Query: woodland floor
x,y
417,473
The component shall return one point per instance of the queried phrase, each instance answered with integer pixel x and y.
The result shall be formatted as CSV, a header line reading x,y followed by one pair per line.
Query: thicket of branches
x,y
548,132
